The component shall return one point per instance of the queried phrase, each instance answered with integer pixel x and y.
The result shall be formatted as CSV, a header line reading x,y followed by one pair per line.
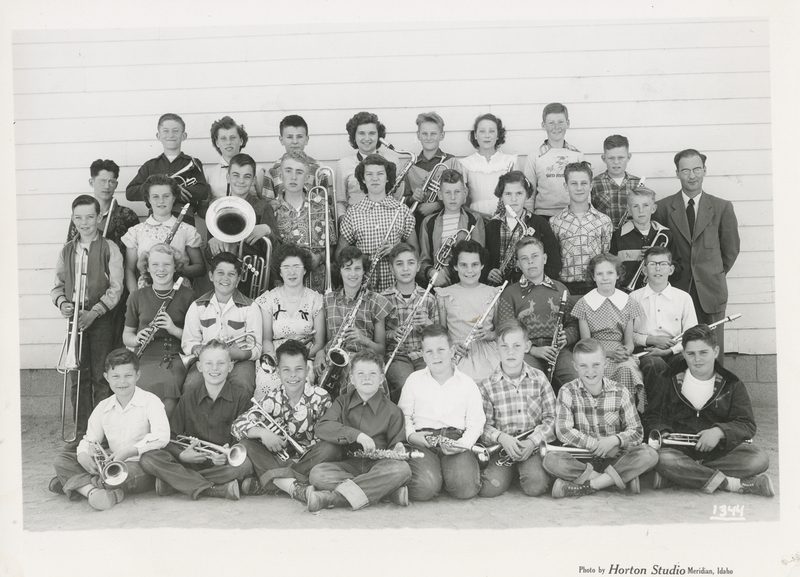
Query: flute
x,y
711,326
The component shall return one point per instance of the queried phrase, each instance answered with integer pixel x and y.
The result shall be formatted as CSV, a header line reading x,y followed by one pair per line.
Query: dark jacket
x,y
728,408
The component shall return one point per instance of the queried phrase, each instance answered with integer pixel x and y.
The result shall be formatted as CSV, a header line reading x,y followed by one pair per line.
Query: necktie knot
x,y
690,215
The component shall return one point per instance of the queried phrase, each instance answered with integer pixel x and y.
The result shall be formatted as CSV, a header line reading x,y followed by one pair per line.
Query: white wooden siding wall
x,y
82,95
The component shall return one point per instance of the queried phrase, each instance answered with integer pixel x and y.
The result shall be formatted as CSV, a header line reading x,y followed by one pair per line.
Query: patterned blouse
x,y
338,305
300,325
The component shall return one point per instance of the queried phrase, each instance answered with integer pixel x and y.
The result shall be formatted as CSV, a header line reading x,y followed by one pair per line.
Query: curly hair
x,y
292,250
177,255
364,118
513,177
159,180
224,123
468,246
605,257
376,160
501,131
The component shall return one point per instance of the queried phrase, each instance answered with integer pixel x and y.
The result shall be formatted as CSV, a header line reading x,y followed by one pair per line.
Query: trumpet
x,y
510,252
246,342
260,417
562,311
235,455
182,180
412,161
505,459
481,453
659,240
576,452
152,328
409,324
232,219
112,473
443,254
72,350
711,326
656,439
471,336
316,195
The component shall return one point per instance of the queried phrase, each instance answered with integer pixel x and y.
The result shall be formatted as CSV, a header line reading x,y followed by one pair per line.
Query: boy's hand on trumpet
x,y
512,446
86,461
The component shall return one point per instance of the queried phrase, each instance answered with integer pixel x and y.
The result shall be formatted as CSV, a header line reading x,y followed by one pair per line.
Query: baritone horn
x,y
72,351
443,254
232,219
659,240
235,455
112,473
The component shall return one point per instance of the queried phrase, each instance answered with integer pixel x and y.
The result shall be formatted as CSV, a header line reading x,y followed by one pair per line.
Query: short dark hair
x,y
171,116
101,164
159,180
360,118
501,131
85,199
288,250
605,257
121,356
582,166
436,330
225,123
555,108
699,333
657,251
587,346
243,160
294,121
615,141
689,152
451,176
399,248
376,160
291,348
227,257
351,254
367,356
513,177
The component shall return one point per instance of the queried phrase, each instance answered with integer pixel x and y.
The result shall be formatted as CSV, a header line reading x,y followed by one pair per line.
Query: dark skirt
x,y
161,368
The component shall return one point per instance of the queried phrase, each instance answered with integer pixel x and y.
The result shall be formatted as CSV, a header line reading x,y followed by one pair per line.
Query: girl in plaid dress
x,y
606,314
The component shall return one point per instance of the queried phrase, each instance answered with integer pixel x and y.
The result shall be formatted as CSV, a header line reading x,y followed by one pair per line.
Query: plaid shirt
x,y
513,409
581,237
337,306
298,421
582,419
293,222
400,311
509,237
610,199
366,225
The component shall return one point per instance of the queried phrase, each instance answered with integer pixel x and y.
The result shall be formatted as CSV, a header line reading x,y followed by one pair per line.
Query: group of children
x,y
461,367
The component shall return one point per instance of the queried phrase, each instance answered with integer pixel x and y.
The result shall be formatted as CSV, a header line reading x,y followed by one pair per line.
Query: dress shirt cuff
x,y
83,447
677,349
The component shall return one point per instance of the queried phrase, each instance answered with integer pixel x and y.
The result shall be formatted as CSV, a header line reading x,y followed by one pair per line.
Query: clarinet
x,y
177,224
152,326
562,310
377,454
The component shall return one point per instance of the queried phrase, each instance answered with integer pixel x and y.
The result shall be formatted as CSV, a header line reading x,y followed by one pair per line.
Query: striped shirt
x,y
582,419
513,406
581,236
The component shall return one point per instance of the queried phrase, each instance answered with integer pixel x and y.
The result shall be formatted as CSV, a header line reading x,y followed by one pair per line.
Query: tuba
x,y
232,219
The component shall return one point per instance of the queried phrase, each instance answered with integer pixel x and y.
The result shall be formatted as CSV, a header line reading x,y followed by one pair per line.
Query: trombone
x,y
72,351
236,455
316,195
325,177
659,240
112,473
412,161
232,219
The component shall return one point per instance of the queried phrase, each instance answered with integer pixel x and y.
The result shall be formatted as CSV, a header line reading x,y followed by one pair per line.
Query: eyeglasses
x,y
110,181
291,268
658,264
696,171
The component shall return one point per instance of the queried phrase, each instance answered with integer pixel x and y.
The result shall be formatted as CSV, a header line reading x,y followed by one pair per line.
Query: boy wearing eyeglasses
x,y
668,312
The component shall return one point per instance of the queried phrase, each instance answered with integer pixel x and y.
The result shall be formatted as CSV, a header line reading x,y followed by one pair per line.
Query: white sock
x,y
733,485
284,484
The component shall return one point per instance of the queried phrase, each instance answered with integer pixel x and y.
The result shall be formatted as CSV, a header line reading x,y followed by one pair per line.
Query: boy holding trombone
x,y
133,421
202,465
88,285
711,409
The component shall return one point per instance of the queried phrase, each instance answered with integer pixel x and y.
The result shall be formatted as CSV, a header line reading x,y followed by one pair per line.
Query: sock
x,y
284,484
733,484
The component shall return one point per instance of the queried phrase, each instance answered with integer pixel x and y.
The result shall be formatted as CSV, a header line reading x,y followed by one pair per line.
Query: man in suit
x,y
706,237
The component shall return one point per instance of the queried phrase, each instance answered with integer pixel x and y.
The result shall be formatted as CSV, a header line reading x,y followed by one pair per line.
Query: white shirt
x,y
668,314
696,391
595,300
142,423
481,177
217,179
457,403
206,320
696,200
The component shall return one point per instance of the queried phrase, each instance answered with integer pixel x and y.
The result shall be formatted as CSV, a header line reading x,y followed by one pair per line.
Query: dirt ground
x,y
45,511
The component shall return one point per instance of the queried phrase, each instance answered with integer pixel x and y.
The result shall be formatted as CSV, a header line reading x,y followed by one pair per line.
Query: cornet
x,y
505,460
481,453
259,417
182,180
656,439
576,452
112,473
432,184
235,455
72,351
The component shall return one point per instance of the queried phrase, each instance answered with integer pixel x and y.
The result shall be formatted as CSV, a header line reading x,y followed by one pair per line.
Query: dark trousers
x,y
73,476
622,468
690,470
563,372
98,341
361,481
459,473
398,372
708,318
188,478
579,288
267,466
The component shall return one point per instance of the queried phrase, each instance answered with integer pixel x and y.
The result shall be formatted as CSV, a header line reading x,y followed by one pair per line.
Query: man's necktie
x,y
690,216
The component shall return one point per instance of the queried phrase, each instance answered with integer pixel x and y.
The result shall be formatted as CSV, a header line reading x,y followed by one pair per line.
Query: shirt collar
x,y
686,199
138,399
168,223
498,375
374,401
226,393
669,291
594,299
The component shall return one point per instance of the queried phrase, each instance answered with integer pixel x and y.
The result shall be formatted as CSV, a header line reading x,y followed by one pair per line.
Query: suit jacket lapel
x,y
679,217
705,212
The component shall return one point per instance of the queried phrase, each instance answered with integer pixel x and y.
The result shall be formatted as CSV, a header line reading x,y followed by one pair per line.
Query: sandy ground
x,y
45,511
